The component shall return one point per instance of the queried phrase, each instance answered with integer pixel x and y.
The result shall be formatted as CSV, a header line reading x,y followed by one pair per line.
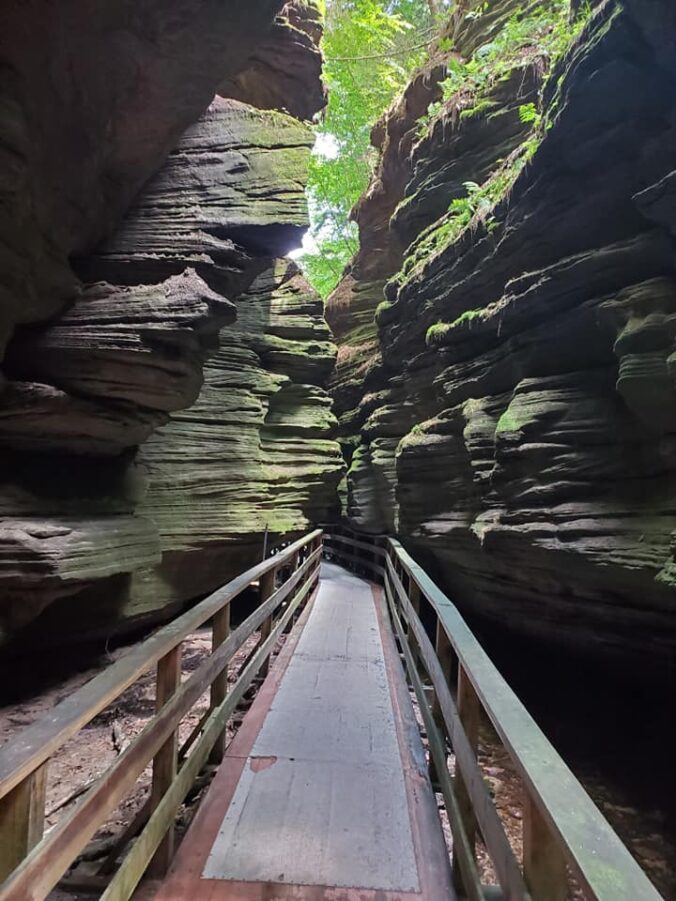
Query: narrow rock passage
x,y
325,786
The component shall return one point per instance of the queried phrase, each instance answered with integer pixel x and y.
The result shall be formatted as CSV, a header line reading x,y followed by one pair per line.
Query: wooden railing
x,y
561,825
32,864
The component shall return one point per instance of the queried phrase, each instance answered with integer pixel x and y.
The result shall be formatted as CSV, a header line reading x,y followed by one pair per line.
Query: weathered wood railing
x,y
32,864
561,825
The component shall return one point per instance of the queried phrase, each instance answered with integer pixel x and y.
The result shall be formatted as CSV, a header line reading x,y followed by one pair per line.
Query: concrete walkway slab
x,y
317,823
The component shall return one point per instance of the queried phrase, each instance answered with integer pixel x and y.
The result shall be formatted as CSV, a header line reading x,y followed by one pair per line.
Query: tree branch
x,y
390,53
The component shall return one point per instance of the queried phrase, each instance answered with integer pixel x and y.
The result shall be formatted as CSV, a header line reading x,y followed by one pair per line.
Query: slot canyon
x,y
492,380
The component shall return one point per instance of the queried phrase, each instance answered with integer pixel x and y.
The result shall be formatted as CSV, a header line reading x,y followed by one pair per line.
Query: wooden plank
x,y
22,818
165,761
35,744
266,588
133,867
353,561
591,846
492,830
330,537
414,597
38,874
318,546
220,630
444,653
122,839
295,563
543,862
469,711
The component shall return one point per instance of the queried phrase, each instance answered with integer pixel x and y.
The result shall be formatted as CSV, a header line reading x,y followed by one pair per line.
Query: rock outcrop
x,y
98,380
508,400
174,412
284,72
92,99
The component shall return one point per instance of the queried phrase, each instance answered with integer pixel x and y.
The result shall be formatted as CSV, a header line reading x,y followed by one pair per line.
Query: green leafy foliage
x,y
528,113
540,32
545,30
437,333
480,108
476,207
370,49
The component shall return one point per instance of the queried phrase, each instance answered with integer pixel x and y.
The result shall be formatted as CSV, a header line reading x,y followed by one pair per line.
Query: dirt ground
x,y
92,750
506,789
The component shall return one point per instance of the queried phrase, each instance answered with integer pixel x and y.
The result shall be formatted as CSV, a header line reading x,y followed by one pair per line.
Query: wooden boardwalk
x,y
324,792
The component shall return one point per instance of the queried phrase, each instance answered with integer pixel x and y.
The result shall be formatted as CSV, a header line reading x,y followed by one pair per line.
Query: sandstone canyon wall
x,y
506,389
163,401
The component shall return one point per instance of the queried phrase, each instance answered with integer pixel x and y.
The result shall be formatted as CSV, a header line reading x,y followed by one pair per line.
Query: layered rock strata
x,y
284,72
514,409
155,430
92,99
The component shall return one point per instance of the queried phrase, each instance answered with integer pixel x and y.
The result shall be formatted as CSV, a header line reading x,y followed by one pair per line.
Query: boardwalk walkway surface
x,y
324,792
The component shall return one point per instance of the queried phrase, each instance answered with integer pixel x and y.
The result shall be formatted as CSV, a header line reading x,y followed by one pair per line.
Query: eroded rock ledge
x,y
510,408
168,409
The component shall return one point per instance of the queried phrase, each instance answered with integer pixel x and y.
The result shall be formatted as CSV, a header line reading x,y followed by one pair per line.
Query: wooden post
x,y
319,546
544,866
266,588
469,710
22,819
314,545
414,596
295,563
265,543
165,761
220,629
405,584
445,655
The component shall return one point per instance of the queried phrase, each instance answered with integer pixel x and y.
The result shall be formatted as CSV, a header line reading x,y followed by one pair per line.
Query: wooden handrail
x,y
495,838
33,866
561,822
132,868
363,545
354,557
37,742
